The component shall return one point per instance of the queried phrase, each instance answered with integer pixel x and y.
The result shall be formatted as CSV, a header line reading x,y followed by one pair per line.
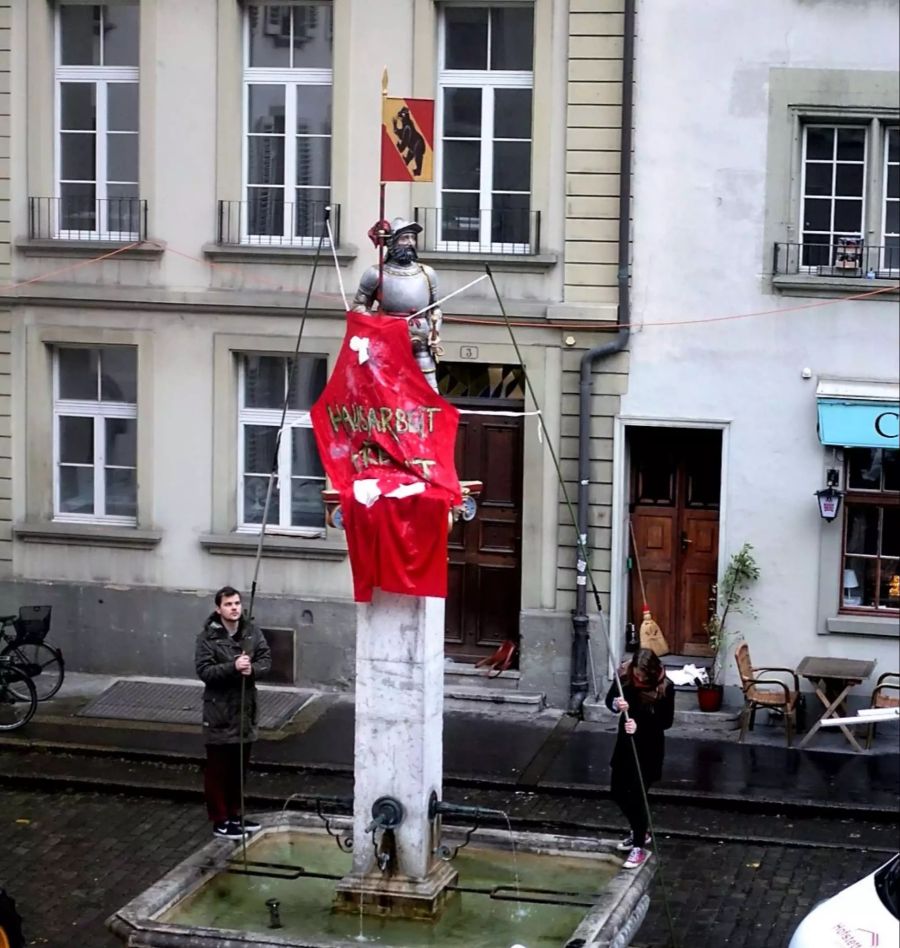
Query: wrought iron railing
x,y
467,230
87,218
846,257
262,221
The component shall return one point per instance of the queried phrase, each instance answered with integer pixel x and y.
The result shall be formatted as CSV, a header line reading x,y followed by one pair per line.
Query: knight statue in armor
x,y
407,287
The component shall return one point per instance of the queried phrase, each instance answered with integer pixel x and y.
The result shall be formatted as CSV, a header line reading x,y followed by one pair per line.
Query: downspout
x,y
579,678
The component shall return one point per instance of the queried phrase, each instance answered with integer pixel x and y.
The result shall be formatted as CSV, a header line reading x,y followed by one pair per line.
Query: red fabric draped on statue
x,y
387,442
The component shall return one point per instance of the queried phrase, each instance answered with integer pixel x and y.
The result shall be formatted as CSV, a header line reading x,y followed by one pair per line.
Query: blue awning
x,y
853,423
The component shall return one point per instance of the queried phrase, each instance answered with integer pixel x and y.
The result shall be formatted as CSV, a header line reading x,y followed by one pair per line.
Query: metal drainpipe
x,y
579,678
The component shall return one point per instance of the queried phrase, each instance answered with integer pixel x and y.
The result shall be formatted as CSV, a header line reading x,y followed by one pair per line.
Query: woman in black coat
x,y
647,711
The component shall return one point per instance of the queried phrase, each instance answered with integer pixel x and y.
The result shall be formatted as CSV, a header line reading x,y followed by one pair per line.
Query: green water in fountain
x,y
471,920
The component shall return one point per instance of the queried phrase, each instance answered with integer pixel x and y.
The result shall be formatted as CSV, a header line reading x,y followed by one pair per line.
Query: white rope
x,y
508,414
448,296
337,266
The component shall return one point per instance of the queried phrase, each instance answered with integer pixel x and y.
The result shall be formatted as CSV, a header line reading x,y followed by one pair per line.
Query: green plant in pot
x,y
731,598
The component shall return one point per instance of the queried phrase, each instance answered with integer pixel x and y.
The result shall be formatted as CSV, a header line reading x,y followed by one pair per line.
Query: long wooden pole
x,y
381,234
381,238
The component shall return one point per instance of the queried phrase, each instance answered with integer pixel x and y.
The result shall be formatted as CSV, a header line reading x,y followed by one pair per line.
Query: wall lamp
x,y
829,497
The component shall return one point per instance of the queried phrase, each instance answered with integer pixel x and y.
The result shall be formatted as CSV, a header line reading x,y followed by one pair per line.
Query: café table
x,y
833,679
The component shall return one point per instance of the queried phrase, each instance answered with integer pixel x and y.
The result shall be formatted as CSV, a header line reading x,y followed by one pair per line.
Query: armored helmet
x,y
399,225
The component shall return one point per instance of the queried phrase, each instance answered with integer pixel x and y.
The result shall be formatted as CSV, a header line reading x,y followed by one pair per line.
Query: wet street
x,y
72,858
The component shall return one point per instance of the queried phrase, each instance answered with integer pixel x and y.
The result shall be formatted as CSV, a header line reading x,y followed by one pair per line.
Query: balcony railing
x,y
78,218
846,257
467,230
271,223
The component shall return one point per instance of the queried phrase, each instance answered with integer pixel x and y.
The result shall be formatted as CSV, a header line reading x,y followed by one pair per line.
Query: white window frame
x,y
833,235
290,78
101,77
888,271
488,81
99,411
271,417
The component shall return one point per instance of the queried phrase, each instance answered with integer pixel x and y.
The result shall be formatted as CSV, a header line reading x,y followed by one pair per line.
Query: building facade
x,y
765,346
170,166
5,271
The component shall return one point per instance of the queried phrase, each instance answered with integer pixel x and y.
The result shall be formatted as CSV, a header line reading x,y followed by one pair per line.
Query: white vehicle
x,y
864,915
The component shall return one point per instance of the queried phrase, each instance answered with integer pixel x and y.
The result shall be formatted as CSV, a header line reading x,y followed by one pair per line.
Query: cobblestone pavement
x,y
72,858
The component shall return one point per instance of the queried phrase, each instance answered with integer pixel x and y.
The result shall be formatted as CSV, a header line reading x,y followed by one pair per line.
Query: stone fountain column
x,y
398,753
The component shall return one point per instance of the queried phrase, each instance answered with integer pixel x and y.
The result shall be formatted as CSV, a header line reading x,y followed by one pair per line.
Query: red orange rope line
x,y
73,266
678,322
474,320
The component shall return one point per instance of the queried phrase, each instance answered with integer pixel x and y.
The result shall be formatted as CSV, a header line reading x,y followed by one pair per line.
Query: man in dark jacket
x,y
231,654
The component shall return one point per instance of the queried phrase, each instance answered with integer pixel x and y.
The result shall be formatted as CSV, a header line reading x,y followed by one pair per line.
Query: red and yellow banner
x,y
407,139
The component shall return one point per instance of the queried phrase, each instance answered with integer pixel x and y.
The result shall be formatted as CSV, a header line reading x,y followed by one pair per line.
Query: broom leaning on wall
x,y
650,635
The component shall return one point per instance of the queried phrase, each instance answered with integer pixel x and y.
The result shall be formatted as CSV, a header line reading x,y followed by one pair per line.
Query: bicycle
x,y
26,647
15,710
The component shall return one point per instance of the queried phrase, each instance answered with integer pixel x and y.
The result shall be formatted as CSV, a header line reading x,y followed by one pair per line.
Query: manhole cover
x,y
182,704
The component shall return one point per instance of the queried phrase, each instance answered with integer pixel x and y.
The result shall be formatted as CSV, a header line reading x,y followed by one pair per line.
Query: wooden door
x,y
485,571
675,496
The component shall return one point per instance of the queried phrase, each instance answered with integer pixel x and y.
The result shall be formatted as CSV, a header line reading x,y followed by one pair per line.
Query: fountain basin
x,y
571,892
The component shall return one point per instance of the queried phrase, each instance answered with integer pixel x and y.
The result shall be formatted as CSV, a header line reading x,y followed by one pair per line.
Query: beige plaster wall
x,y
178,308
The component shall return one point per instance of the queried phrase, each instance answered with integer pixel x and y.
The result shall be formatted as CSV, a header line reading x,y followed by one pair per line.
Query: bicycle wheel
x,y
14,710
43,665
10,923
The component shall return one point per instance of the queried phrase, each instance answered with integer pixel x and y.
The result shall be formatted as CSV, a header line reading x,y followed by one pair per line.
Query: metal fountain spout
x,y
386,852
474,814
387,815
443,808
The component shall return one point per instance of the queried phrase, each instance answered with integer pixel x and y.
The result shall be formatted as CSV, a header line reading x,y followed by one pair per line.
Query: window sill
x,y
87,534
501,262
806,284
260,253
143,250
277,547
885,627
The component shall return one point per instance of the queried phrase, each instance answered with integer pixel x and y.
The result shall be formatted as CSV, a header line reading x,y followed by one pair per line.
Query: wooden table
x,y
833,678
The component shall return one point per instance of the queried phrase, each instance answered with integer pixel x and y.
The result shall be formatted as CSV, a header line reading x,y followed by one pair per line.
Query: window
x,y
97,122
891,230
95,434
484,118
287,109
871,562
296,502
836,192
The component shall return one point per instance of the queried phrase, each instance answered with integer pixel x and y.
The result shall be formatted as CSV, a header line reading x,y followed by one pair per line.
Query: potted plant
x,y
730,598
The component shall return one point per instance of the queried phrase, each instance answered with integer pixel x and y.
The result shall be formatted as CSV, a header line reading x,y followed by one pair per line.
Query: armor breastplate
x,y
404,289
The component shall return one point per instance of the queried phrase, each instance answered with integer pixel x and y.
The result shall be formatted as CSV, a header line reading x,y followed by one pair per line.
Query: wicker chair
x,y
766,692
885,694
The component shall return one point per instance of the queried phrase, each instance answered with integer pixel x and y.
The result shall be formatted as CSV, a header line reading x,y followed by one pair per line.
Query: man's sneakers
x,y
232,829
228,830
636,858
627,844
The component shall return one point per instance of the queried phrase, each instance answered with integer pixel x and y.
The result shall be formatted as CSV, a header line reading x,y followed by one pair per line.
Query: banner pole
x,y
381,234
381,240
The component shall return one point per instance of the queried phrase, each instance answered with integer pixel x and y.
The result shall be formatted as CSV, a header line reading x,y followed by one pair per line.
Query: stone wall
x,y
593,133
593,120
115,629
610,381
